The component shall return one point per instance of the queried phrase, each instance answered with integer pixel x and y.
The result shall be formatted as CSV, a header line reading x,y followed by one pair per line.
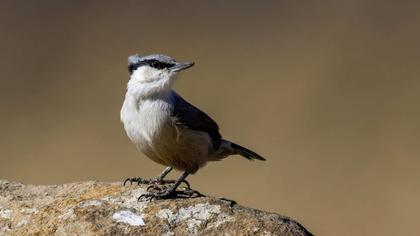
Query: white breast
x,y
144,120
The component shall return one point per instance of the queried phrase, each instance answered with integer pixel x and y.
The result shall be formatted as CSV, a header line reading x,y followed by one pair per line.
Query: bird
x,y
168,129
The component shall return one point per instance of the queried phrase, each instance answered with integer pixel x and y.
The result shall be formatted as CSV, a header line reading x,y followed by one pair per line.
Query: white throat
x,y
149,83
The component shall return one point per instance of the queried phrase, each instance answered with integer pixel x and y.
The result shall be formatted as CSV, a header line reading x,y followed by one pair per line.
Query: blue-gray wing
x,y
189,116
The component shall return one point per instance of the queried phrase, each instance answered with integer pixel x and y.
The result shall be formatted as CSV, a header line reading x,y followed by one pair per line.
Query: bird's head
x,y
154,73
155,67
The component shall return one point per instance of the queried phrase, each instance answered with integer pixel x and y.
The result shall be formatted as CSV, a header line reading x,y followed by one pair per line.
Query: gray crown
x,y
133,59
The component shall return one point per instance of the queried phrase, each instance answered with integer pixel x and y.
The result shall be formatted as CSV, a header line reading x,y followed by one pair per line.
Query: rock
x,y
97,208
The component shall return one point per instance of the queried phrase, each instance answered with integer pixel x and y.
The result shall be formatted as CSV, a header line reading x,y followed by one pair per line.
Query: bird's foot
x,y
162,184
167,192
152,181
140,180
157,194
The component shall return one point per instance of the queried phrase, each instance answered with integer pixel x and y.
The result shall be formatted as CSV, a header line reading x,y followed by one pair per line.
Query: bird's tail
x,y
245,152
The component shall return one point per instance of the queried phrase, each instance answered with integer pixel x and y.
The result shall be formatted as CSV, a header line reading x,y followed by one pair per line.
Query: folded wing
x,y
189,116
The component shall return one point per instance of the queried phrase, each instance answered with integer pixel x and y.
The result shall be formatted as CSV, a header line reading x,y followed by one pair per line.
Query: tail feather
x,y
248,154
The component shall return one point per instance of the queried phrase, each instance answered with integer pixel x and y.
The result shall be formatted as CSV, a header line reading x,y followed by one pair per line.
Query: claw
x,y
231,202
171,181
141,197
163,191
158,194
162,194
132,179
150,187
186,183
140,180
190,193
156,187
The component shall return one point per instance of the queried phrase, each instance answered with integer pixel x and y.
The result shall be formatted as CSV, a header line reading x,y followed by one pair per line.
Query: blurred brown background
x,y
328,92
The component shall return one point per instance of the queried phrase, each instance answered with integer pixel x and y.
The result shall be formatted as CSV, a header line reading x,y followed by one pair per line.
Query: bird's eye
x,y
156,64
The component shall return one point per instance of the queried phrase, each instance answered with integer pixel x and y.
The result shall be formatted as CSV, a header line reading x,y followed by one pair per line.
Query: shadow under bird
x,y
167,128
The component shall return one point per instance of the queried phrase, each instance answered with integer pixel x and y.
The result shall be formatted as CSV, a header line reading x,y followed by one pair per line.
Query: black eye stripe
x,y
152,63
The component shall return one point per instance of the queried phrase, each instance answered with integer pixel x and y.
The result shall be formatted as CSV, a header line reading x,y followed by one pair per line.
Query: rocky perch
x,y
97,208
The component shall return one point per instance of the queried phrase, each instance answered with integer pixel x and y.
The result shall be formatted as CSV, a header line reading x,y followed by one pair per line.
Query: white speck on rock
x,y
221,218
169,233
5,229
193,225
128,200
21,223
69,214
128,217
193,216
266,233
166,214
90,203
202,211
29,210
6,214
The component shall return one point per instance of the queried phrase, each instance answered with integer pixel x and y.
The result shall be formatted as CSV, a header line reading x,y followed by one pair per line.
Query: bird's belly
x,y
157,144
182,149
191,151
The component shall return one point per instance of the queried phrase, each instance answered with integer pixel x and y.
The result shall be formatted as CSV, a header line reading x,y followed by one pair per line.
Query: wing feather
x,y
189,116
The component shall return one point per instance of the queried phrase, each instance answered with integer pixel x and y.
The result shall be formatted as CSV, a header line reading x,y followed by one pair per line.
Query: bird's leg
x,y
168,192
158,179
164,173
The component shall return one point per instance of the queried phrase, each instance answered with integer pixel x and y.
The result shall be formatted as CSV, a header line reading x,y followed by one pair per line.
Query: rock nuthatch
x,y
165,127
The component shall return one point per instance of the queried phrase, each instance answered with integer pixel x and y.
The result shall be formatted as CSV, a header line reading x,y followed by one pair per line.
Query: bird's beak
x,y
181,66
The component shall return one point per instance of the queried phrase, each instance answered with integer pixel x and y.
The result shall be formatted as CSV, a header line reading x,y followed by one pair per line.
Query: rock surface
x,y
97,208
